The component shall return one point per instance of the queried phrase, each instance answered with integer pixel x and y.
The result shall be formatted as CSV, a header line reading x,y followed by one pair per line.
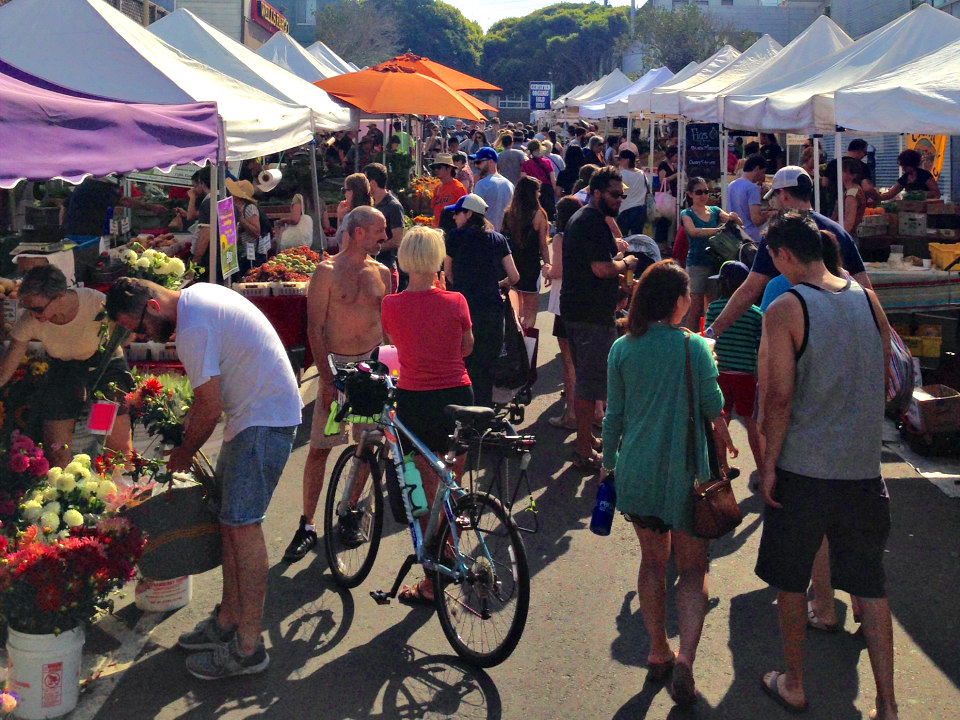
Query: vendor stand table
x,y
914,288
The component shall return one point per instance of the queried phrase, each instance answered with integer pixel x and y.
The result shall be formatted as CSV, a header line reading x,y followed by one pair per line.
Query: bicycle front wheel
x,y
353,517
484,615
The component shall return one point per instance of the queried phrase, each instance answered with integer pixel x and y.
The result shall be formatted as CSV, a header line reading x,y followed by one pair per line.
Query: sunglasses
x,y
700,192
39,310
621,195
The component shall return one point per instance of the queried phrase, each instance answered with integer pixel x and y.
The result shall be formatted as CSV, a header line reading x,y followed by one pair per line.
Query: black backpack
x,y
266,224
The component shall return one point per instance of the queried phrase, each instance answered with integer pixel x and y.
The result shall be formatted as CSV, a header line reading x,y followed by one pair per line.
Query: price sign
x,y
229,261
703,151
541,93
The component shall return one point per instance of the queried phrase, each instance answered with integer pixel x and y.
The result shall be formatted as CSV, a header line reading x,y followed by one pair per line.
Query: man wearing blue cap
x,y
493,187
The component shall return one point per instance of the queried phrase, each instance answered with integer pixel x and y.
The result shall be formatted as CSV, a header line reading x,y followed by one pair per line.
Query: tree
x,y
568,43
674,38
437,31
360,32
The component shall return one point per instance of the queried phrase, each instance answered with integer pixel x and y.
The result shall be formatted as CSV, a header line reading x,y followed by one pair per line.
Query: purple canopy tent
x,y
49,134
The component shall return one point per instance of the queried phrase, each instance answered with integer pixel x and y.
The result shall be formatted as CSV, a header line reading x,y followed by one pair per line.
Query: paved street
x,y
336,654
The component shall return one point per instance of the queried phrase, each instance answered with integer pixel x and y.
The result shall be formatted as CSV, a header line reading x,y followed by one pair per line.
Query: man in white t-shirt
x,y
237,366
633,209
743,196
494,188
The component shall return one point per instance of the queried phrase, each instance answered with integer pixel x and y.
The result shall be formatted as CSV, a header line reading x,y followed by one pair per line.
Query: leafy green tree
x,y
674,38
568,43
360,32
438,31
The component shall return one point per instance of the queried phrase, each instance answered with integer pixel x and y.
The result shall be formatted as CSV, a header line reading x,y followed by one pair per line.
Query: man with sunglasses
x,y
493,187
589,294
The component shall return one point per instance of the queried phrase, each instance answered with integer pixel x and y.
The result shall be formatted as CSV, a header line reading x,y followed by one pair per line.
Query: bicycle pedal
x,y
380,597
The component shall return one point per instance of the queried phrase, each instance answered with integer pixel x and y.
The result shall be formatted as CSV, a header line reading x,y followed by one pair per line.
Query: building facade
x,y
783,21
251,22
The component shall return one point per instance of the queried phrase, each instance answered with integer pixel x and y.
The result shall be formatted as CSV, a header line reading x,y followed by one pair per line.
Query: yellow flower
x,y
39,368
72,518
31,510
106,489
49,522
67,482
50,493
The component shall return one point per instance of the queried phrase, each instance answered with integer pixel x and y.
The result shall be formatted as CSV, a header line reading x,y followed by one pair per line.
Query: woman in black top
x,y
476,260
914,178
572,162
667,172
525,224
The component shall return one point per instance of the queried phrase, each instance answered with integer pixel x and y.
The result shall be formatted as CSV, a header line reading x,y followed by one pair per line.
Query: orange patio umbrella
x,y
447,75
391,88
480,104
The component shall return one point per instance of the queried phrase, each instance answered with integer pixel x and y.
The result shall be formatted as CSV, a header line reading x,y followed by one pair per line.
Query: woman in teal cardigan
x,y
645,444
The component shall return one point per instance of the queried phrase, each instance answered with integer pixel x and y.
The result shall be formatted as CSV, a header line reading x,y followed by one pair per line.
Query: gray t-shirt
x,y
393,213
509,163
741,194
496,192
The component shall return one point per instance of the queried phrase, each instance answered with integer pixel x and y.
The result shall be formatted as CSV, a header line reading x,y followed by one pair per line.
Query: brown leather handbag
x,y
715,509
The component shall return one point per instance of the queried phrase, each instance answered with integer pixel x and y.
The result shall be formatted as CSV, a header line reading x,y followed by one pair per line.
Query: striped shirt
x,y
737,347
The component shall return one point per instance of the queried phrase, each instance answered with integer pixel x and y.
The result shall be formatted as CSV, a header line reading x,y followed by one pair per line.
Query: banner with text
x,y
541,94
229,262
703,151
931,148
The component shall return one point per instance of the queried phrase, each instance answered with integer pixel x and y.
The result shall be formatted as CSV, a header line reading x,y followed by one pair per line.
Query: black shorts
x,y
422,414
559,329
853,514
649,522
69,386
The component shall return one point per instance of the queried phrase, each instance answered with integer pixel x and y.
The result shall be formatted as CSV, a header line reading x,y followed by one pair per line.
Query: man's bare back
x,y
343,304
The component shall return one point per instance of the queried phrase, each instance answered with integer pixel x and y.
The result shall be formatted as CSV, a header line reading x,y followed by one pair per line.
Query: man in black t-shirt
x,y
86,213
857,149
588,300
771,152
386,203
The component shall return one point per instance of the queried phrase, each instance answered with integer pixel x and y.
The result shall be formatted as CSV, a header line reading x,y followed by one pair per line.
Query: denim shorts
x,y
249,468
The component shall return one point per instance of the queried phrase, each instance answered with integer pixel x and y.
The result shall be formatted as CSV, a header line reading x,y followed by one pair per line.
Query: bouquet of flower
x,y
23,468
160,404
426,220
156,266
17,398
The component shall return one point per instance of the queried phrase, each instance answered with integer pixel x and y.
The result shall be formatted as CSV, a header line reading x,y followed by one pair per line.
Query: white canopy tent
x,y
637,99
286,52
665,100
560,102
615,104
753,60
606,85
88,46
922,96
198,39
802,101
323,53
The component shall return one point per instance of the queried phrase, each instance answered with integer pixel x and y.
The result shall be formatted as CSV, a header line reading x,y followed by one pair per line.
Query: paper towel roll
x,y
268,180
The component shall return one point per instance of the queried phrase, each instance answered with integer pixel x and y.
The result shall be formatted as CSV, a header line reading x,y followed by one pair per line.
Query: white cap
x,y
787,177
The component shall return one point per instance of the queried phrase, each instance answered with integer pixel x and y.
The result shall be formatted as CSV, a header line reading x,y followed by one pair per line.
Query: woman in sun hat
x,y
248,224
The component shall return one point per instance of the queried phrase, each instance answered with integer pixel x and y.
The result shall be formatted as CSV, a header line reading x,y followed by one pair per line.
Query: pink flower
x,y
39,467
21,442
19,462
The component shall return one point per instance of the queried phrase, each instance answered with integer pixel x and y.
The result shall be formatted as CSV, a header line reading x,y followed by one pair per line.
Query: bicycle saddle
x,y
473,414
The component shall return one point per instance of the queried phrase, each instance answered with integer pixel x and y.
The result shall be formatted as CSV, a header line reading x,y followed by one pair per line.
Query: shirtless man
x,y
343,313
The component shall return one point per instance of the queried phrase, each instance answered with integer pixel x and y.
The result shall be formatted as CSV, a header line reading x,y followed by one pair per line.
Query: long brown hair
x,y
523,208
360,185
656,295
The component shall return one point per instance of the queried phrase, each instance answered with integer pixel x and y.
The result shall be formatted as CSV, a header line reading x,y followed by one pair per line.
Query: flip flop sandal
x,y
772,689
412,596
682,688
660,671
815,622
732,474
590,462
559,422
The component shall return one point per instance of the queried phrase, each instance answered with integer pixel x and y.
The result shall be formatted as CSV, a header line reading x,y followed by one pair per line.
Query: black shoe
x,y
303,541
349,528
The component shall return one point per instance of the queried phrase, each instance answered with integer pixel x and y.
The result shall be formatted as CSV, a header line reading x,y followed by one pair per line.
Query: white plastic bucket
x,y
44,672
163,595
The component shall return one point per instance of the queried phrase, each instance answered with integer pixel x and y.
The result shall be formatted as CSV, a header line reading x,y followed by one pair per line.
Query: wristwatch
x,y
710,333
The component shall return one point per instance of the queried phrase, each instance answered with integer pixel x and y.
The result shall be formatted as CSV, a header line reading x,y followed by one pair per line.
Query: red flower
x,y
19,462
39,467
7,508
152,387
48,598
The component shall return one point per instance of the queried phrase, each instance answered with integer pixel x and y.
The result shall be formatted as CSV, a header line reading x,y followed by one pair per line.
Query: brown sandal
x,y
659,672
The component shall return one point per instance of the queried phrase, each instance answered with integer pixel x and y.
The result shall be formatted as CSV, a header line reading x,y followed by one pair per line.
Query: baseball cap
x,y
471,201
733,270
485,153
787,177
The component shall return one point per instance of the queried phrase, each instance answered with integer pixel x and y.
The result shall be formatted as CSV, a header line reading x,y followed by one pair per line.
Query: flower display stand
x,y
44,672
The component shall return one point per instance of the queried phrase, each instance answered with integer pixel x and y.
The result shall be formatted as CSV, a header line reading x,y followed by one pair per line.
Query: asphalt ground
x,y
336,654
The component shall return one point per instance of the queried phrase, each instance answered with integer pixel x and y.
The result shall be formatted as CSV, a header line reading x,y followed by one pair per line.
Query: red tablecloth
x,y
288,315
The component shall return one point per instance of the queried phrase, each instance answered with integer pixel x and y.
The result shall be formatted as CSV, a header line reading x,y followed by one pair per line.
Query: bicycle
x,y
471,548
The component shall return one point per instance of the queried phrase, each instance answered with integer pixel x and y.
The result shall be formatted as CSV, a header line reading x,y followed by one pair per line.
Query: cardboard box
x,y
935,409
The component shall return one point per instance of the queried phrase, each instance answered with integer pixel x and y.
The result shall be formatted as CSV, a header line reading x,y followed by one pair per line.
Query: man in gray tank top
x,y
823,357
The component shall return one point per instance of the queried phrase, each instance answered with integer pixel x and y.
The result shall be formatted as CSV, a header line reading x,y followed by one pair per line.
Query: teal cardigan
x,y
645,427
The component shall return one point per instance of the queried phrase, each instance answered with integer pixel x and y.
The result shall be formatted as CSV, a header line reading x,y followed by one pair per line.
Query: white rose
x,y
105,489
129,257
143,263
31,510
54,475
50,522
67,482
72,518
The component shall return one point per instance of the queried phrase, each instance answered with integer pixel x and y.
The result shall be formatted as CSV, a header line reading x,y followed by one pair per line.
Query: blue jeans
x,y
249,468
632,220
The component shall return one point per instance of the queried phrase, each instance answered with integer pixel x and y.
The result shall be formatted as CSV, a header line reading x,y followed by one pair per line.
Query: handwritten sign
x,y
229,261
541,93
703,150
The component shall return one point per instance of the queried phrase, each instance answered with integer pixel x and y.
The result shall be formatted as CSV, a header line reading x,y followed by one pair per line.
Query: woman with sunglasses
x,y
356,192
67,322
700,221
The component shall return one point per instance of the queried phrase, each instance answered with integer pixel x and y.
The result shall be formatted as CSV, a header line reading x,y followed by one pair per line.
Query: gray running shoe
x,y
226,661
207,635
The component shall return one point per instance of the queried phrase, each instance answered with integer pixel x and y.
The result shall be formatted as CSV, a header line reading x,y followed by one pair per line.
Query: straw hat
x,y
242,189
443,159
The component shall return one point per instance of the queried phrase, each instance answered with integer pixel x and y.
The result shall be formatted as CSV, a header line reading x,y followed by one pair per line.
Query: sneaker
x,y
303,541
226,661
207,635
351,535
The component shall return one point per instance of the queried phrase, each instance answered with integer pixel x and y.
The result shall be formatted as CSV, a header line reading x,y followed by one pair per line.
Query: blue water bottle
x,y
414,485
602,518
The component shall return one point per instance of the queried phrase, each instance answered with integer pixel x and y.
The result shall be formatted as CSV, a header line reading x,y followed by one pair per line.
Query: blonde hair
x,y
297,200
422,250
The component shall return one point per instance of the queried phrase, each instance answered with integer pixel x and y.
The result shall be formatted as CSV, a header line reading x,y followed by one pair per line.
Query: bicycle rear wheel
x,y
352,528
483,617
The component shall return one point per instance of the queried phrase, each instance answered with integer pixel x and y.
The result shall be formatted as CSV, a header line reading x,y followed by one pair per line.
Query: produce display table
x,y
914,289
288,315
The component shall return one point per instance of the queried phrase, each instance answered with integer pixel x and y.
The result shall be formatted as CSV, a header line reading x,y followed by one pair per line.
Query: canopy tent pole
x,y
315,187
652,140
836,154
386,138
629,127
681,165
723,167
816,173
219,166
